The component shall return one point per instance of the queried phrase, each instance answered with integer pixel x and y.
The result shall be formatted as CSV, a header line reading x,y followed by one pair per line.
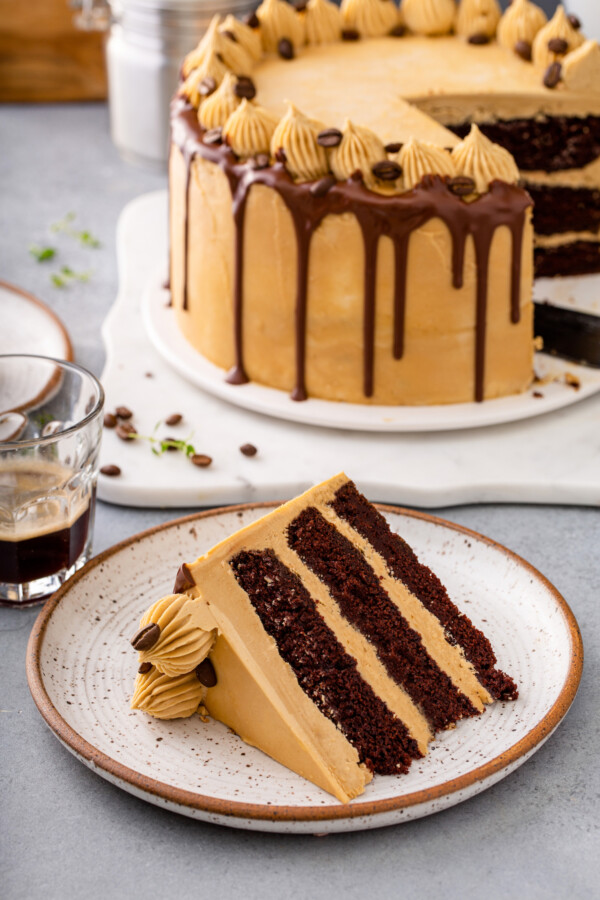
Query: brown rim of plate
x,y
49,312
258,811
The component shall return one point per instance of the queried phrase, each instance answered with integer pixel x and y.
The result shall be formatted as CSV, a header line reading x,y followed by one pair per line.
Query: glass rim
x,y
46,439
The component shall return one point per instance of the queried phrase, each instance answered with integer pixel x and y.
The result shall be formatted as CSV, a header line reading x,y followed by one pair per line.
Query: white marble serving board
x,y
552,458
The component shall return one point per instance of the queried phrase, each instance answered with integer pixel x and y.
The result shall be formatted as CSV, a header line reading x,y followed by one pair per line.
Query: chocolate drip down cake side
x,y
351,194
318,637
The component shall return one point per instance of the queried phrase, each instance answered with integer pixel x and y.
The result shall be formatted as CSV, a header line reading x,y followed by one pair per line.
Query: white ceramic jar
x,y
147,42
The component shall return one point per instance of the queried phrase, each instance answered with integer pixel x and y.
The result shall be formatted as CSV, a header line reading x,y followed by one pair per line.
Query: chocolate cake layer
x,y
576,258
325,671
561,209
365,604
549,144
355,509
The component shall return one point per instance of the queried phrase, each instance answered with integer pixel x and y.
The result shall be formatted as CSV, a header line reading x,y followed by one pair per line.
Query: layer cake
x,y
317,636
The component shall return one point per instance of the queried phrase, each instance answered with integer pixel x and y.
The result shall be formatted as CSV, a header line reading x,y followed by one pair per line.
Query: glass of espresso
x,y
50,431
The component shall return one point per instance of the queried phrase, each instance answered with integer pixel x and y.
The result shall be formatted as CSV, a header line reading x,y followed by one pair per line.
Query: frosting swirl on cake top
x,y
483,161
296,135
429,17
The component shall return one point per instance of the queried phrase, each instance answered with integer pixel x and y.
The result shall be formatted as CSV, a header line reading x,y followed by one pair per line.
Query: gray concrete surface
x,y
65,833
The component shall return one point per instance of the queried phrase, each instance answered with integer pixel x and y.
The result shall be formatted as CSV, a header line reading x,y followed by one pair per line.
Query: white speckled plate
x,y
81,670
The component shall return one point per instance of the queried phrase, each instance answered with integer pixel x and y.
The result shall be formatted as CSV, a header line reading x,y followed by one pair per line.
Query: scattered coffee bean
x,y
280,155
110,420
537,394
207,86
285,48
123,412
146,637
479,39
523,49
213,136
244,88
462,185
558,45
553,75
248,450
322,186
398,31
261,161
574,21
252,20
144,668
149,375
330,137
350,34
125,430
205,673
387,170
230,35
173,419
394,147
110,470
201,460
183,579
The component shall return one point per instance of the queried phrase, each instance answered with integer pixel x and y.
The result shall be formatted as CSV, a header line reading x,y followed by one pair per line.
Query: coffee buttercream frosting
x,y
520,23
322,22
195,58
371,18
581,68
248,38
216,109
296,134
429,17
359,150
419,158
249,129
483,161
278,20
477,17
167,698
213,67
558,28
182,644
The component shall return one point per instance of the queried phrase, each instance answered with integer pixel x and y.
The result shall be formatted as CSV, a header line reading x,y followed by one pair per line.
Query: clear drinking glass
x,y
50,431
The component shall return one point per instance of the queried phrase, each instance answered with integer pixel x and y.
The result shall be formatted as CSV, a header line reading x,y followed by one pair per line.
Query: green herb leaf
x,y
41,254
67,276
64,226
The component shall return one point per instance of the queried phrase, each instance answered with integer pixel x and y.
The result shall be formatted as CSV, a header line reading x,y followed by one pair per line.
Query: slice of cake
x,y
317,636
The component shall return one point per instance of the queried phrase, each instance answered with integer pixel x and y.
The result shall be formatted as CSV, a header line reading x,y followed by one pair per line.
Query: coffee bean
x,y
205,673
285,48
230,35
538,395
146,637
123,412
110,470
144,668
183,579
330,137
387,170
523,49
248,450
301,5
201,460
252,20
395,147
213,136
260,161
173,419
553,75
398,31
110,421
462,185
574,21
322,187
280,155
207,86
479,39
350,34
125,430
558,45
168,444
244,88
357,176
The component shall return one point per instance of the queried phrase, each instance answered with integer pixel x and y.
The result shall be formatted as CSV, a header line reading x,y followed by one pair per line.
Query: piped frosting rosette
x,y
480,159
181,643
